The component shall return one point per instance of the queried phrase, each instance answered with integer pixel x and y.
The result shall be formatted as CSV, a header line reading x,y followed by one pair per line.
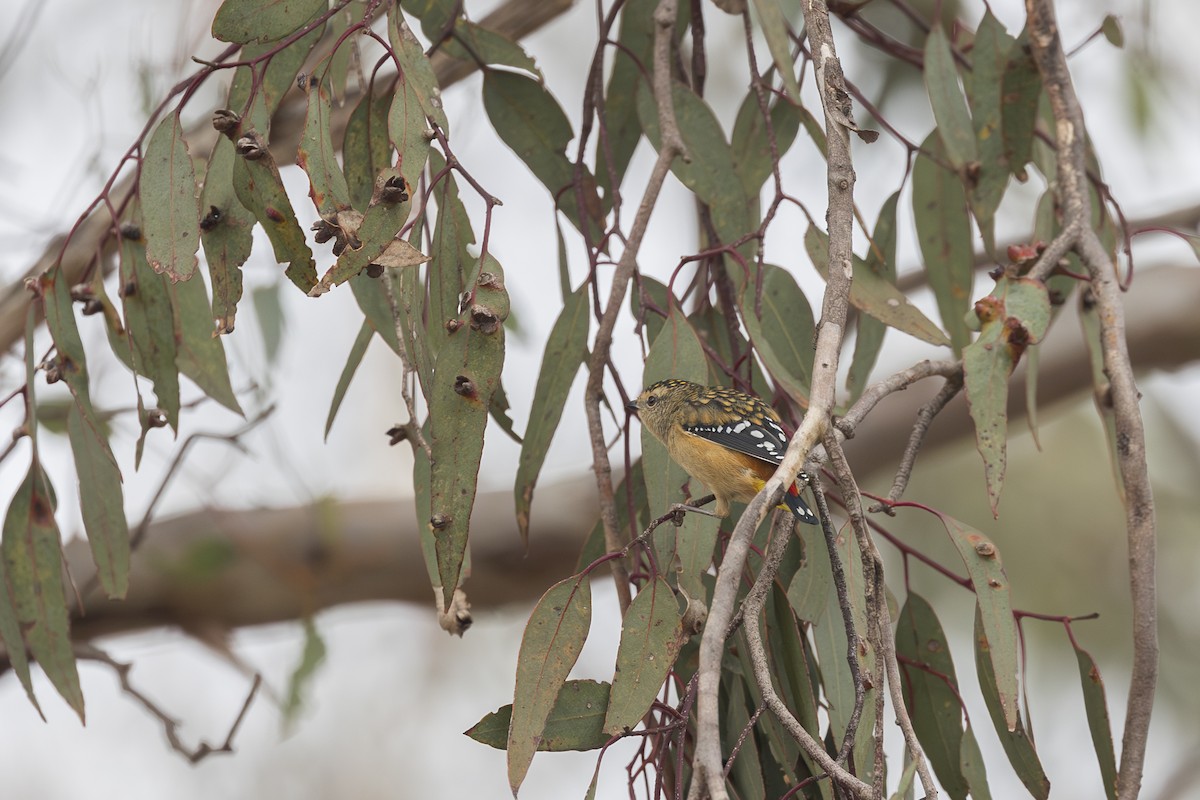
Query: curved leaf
x,y
167,189
408,129
553,638
101,502
357,351
946,98
1014,316
327,184
751,144
1022,86
32,556
150,327
783,335
1016,742
224,234
575,723
651,635
944,234
873,295
931,692
564,353
200,354
416,67
245,21
366,147
990,54
774,27
260,189
881,260
986,571
1099,725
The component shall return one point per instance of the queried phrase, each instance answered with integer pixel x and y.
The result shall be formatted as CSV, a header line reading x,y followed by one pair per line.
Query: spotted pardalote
x,y
728,440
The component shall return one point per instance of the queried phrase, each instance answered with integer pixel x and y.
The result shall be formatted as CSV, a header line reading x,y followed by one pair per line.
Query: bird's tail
x,y
793,500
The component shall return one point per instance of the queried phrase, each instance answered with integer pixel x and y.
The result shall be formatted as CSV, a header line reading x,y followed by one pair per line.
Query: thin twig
x,y
925,416
169,724
879,617
672,146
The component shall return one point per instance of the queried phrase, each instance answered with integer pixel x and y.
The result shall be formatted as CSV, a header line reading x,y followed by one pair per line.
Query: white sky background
x,y
386,712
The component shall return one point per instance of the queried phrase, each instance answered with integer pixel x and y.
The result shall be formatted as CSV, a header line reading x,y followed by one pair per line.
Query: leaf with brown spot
x,y
167,190
651,635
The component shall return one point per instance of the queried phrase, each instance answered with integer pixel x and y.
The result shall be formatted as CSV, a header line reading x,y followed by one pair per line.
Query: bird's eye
x,y
651,400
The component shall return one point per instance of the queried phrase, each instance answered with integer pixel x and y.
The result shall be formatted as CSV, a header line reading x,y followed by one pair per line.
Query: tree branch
x,y
1078,235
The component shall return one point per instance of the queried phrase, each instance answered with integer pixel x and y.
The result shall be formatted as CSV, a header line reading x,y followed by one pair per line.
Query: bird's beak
x,y
632,407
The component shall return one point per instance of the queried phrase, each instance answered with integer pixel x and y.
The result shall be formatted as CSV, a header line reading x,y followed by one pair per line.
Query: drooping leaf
x,y
446,275
971,763
465,378
1016,742
260,189
311,659
1022,85
31,554
101,502
746,771
751,141
372,300
150,327
245,21
270,84
564,354
1099,725
268,310
615,147
576,722
70,359
167,190
408,129
531,122
992,47
225,227
809,590
416,67
931,691
316,156
946,97
873,295
944,234
199,354
710,173
473,42
881,260
651,635
783,335
366,148
552,641
1015,315
357,351
982,559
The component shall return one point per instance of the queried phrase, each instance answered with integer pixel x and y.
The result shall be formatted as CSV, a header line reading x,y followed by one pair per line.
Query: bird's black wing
x,y
762,439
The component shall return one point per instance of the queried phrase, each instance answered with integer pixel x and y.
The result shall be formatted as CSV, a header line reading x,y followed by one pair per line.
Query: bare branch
x,y
1077,234
169,724
672,146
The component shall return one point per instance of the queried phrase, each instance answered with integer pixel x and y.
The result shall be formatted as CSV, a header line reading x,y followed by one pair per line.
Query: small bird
x,y
728,440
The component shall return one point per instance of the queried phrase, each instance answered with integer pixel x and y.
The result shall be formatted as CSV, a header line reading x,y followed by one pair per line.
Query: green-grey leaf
x,y
366,147
357,350
408,127
311,659
751,143
881,260
268,309
946,98
327,184
970,761
101,501
774,26
992,47
245,21
32,557
1099,725
931,692
944,234
200,355
870,293
1016,742
651,635
1022,86
150,327
552,641
560,363
416,67
576,721
225,235
260,189
783,335
167,189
